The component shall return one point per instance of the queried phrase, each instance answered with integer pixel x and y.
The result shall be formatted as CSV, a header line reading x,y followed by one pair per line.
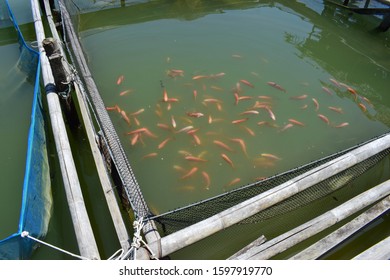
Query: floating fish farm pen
x,y
221,135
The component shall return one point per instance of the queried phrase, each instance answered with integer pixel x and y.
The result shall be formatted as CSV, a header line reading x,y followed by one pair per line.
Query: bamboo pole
x,y
83,230
237,213
327,243
380,251
109,194
316,225
131,186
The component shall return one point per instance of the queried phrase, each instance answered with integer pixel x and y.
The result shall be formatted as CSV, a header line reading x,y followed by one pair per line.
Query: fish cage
x,y
231,181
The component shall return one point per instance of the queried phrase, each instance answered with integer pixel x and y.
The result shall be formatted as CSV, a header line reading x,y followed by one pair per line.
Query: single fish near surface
x,y
241,143
165,95
120,79
245,82
125,117
163,143
335,82
316,103
336,109
198,77
240,121
134,140
138,112
287,126
207,180
190,173
324,118
271,114
270,156
341,125
150,155
228,160
223,145
250,131
195,114
250,112
299,97
196,138
193,158
327,90
185,129
233,182
294,121
125,92
277,86
173,122
362,107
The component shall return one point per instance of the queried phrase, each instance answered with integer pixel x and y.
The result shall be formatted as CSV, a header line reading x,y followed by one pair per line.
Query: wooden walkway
x,y
271,248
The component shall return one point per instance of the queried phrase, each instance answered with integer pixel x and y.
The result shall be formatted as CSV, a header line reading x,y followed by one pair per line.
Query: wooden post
x,y
61,80
237,213
83,230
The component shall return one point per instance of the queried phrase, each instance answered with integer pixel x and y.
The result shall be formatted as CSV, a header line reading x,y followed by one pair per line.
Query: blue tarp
x,y
37,200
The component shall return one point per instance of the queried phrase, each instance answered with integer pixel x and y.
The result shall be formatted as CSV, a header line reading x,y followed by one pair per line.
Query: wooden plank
x,y
316,225
248,247
237,213
335,238
109,194
82,226
380,251
105,181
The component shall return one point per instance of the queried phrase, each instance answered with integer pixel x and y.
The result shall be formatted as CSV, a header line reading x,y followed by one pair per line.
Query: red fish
x,y
173,122
122,93
138,112
299,97
362,107
165,95
287,126
336,109
342,124
195,114
149,155
196,138
293,121
275,85
190,173
233,182
271,114
227,159
222,145
335,82
270,156
200,77
324,118
241,143
316,103
327,90
239,121
206,178
245,82
135,139
197,159
120,79
163,143
125,117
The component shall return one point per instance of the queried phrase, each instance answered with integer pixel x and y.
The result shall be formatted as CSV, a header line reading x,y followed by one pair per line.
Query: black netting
x,y
183,217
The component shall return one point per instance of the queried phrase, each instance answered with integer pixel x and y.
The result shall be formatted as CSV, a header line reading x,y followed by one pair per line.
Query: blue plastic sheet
x,y
36,200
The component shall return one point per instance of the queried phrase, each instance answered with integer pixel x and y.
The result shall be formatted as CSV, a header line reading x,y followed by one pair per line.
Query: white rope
x,y
137,241
26,234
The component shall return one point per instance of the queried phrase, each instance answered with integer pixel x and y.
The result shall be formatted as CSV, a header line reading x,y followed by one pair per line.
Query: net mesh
x,y
183,217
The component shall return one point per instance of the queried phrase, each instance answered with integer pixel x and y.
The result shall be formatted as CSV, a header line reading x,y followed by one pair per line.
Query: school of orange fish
x,y
201,87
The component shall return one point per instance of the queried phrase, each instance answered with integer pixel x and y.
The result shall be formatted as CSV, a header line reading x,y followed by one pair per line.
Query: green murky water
x,y
212,55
